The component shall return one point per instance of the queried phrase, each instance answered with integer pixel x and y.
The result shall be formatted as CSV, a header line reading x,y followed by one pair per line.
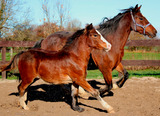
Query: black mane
x,y
73,37
110,25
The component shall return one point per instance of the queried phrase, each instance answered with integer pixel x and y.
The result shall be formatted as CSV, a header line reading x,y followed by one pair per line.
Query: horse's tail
x,y
12,64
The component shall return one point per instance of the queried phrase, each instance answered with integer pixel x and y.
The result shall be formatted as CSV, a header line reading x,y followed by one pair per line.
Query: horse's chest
x,y
118,57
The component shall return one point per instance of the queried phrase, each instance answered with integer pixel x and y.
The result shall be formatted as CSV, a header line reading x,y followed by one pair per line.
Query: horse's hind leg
x,y
23,93
74,98
121,81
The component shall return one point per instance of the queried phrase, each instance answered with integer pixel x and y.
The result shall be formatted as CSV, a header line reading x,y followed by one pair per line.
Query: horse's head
x,y
95,39
140,23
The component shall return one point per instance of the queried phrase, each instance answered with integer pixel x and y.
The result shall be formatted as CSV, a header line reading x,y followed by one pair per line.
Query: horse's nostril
x,y
109,46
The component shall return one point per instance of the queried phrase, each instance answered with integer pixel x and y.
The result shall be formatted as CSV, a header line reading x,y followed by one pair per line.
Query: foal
x,y
69,64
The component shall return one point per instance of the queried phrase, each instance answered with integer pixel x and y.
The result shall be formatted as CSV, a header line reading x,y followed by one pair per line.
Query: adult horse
x,y
115,31
69,64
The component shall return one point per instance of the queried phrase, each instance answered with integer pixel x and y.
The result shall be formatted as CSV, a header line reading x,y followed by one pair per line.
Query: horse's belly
x,y
58,79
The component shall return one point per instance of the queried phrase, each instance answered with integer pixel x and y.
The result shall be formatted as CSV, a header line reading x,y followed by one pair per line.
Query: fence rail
x,y
151,42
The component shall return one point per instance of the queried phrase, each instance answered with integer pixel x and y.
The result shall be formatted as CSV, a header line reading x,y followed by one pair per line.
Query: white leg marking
x,y
73,90
22,100
83,93
115,86
25,96
105,105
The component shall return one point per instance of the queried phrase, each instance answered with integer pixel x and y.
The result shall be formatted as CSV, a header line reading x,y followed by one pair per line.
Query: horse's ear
x,y
88,28
137,9
136,6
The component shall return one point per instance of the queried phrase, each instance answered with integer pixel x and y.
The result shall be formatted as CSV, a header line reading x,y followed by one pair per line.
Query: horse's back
x,y
55,41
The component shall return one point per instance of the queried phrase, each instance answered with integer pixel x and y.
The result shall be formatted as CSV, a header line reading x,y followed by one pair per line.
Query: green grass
x,y
141,56
96,74
127,56
7,56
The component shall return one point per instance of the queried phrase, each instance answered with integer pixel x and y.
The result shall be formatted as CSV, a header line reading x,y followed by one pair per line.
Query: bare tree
x,y
47,28
73,25
63,11
46,10
8,8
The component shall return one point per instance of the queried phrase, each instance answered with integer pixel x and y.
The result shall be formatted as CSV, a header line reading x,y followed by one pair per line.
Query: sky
x,y
93,11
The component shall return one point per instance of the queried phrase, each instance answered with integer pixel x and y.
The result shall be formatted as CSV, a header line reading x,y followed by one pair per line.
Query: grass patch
x,y
128,55
96,74
8,58
141,56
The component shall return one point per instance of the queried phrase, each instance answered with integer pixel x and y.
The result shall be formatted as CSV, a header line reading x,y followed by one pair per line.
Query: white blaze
x,y
104,40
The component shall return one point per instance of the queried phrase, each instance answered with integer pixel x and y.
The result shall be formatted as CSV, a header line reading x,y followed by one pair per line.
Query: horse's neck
x,y
122,33
80,48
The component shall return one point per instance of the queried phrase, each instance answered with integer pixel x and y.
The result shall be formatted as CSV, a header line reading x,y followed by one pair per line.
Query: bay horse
x,y
68,64
116,31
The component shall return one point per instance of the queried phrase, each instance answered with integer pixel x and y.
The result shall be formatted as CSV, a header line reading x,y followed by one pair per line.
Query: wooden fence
x,y
136,43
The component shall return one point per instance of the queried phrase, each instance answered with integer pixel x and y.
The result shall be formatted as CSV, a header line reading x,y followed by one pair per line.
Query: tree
x,y
22,32
8,8
46,29
73,25
63,11
47,26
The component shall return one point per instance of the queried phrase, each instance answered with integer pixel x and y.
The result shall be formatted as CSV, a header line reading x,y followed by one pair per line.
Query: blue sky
x,y
93,11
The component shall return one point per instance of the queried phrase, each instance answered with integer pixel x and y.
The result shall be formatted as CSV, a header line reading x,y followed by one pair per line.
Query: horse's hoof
x,y
115,86
79,109
111,111
26,108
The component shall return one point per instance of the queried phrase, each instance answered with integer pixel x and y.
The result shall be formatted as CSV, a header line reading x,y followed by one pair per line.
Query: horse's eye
x,y
141,18
95,35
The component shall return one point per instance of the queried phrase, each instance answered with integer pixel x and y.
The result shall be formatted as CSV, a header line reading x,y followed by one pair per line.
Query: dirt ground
x,y
138,97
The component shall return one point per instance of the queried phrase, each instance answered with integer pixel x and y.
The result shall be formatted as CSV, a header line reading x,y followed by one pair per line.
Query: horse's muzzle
x,y
108,47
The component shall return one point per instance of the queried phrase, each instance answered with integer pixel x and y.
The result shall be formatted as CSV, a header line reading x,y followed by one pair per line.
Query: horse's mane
x,y
73,37
110,25
70,40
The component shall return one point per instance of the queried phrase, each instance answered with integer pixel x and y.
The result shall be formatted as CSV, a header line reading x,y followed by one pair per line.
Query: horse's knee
x,y
95,93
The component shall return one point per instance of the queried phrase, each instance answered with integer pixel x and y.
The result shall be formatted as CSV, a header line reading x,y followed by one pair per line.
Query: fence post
x,y
3,60
11,53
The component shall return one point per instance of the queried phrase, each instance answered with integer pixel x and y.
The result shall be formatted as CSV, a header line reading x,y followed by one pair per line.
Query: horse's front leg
x,y
74,96
107,74
85,85
122,80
